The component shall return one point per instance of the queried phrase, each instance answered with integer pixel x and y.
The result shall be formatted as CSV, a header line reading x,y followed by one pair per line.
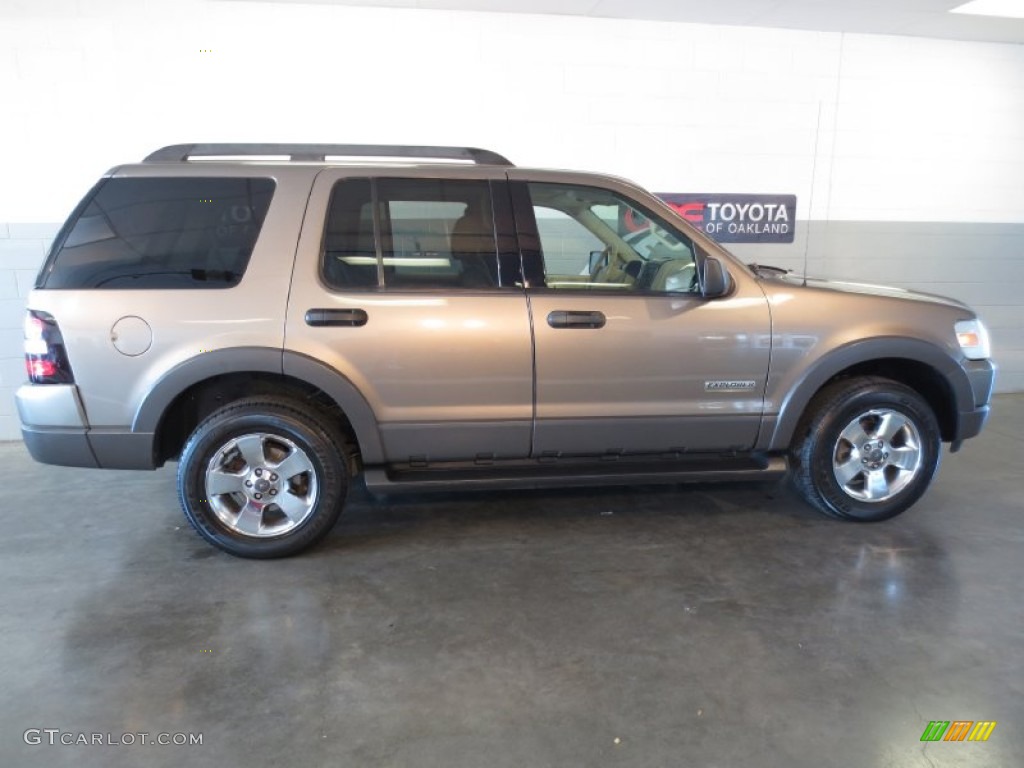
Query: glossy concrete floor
x,y
689,626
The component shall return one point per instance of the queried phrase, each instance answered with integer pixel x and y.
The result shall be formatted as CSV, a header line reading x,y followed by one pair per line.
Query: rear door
x,y
630,358
409,288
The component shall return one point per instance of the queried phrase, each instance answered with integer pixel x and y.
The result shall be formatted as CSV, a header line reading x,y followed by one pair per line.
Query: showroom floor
x,y
689,626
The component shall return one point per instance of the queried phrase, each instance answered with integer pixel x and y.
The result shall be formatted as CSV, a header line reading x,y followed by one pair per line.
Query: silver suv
x,y
281,318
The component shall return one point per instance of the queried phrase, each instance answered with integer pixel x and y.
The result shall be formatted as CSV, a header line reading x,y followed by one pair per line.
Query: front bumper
x,y
970,424
981,375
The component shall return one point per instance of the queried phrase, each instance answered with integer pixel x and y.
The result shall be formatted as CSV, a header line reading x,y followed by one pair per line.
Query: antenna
x,y
810,201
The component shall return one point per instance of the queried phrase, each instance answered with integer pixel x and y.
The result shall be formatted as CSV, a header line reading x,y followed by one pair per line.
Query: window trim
x,y
65,232
378,226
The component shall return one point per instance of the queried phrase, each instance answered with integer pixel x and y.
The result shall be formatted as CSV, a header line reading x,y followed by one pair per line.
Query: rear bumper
x,y
63,447
95,449
53,425
50,406
55,431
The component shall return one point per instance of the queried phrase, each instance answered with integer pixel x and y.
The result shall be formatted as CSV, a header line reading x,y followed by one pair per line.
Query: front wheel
x,y
263,477
868,450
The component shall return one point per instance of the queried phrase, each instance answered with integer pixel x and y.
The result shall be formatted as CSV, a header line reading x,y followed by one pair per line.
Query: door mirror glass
x,y
716,281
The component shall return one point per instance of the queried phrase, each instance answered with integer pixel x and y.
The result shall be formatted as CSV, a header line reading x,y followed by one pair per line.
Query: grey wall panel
x,y
22,249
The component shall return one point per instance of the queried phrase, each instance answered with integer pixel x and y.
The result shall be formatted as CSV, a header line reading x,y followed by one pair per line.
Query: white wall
x,y
861,128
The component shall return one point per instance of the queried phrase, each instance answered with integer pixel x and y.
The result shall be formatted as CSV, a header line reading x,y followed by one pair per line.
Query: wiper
x,y
197,275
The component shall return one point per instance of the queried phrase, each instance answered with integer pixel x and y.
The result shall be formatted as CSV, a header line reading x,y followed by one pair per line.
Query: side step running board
x,y
393,480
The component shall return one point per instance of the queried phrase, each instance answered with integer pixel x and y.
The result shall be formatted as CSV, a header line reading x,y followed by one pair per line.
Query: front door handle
x,y
351,318
562,318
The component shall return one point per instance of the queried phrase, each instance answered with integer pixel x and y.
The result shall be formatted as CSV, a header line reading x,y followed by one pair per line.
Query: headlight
x,y
973,338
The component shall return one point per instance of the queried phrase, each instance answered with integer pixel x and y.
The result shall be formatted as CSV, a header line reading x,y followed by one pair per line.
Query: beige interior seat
x,y
472,245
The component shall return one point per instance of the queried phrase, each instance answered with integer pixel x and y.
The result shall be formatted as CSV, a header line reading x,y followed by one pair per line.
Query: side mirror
x,y
716,281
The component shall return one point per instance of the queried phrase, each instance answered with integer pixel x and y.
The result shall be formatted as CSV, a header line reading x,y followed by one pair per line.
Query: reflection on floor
x,y
697,625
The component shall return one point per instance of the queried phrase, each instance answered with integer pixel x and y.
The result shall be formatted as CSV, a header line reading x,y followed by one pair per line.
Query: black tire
x,y
246,520
878,478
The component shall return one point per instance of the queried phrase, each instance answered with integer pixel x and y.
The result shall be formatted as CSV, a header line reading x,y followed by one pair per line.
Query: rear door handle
x,y
562,318
351,318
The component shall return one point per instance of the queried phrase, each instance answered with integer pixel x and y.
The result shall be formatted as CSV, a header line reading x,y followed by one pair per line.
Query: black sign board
x,y
738,218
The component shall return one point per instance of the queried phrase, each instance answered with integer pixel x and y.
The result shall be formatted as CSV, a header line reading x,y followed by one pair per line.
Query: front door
x,y
630,358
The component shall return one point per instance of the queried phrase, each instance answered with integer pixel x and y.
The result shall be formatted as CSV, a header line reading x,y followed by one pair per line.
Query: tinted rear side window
x,y
350,251
162,233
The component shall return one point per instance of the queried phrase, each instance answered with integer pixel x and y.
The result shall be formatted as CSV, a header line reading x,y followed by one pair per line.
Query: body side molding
x,y
203,366
346,395
777,429
266,360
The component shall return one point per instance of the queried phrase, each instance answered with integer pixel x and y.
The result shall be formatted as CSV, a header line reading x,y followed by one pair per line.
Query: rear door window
x,y
135,233
432,233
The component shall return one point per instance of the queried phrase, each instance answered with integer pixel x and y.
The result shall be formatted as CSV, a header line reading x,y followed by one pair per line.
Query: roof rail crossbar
x,y
178,153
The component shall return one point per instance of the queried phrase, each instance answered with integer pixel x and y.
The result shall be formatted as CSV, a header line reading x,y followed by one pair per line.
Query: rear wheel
x,y
263,477
868,449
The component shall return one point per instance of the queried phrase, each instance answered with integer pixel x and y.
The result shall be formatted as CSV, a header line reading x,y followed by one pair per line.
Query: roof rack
x,y
180,153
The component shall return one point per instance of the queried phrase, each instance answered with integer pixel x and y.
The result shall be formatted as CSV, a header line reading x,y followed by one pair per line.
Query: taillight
x,y
46,361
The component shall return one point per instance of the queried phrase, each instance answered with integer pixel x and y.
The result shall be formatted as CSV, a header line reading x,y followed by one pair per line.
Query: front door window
x,y
594,239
